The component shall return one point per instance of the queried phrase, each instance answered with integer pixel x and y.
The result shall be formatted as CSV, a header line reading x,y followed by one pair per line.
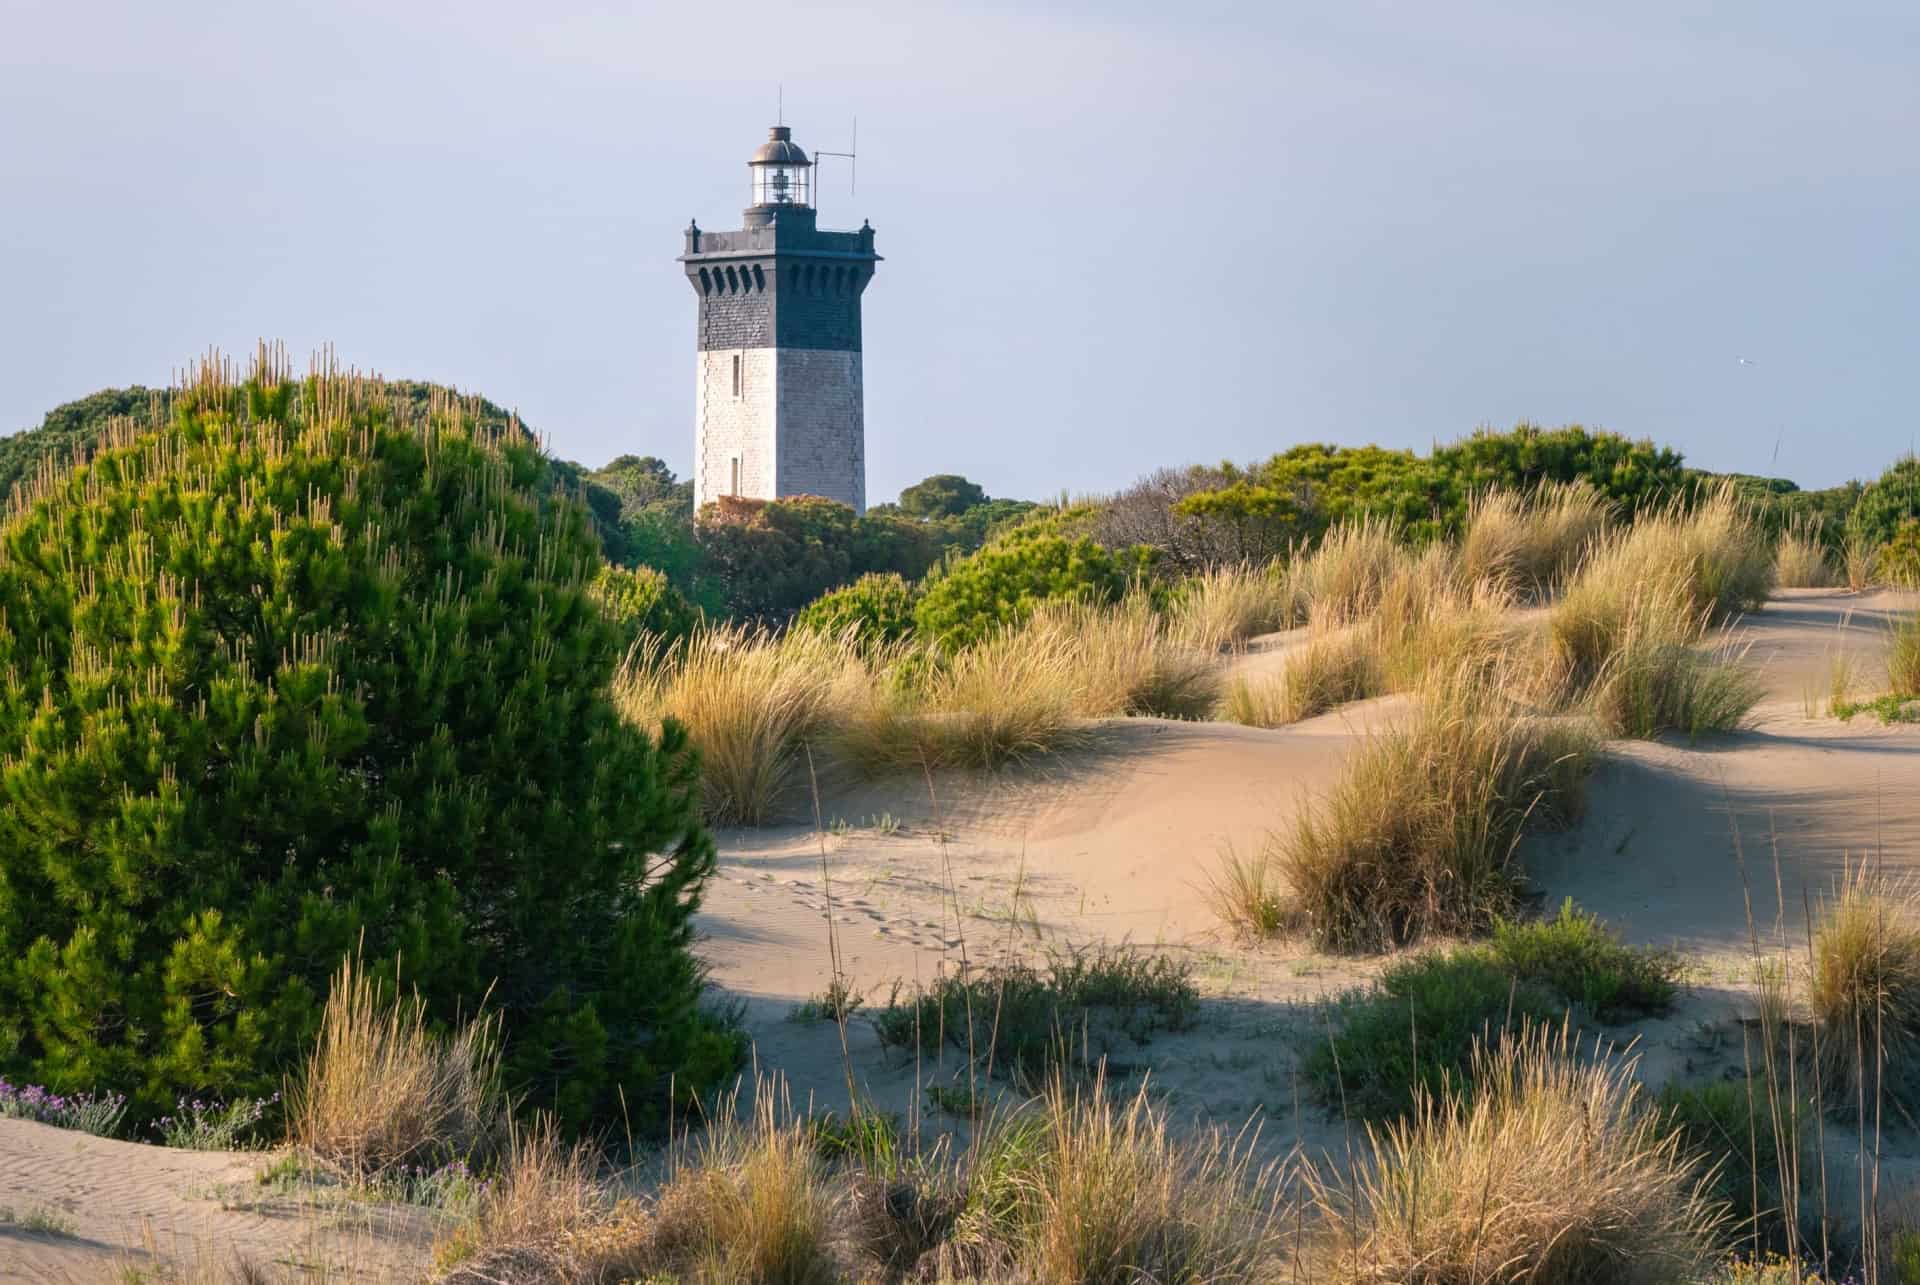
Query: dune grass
x,y
1666,579
1531,542
1343,577
1127,659
1418,835
383,1091
1083,1189
1903,654
1331,668
1551,1172
1246,894
1800,558
1864,982
1655,682
1221,608
750,701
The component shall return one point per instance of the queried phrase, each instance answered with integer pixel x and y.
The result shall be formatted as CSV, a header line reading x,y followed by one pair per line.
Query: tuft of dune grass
x,y
1223,607
1551,1172
1864,983
383,1091
1127,659
750,701
1800,558
1418,835
1343,578
1534,541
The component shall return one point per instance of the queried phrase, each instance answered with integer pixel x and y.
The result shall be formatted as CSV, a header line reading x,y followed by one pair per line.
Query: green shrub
x,y
1021,1018
1888,503
1898,562
299,672
641,600
1727,1128
1003,583
876,608
1580,958
1416,1028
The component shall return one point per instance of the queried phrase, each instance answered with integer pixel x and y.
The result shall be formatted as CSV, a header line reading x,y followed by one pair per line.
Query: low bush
x,y
301,666
1000,585
1584,961
1418,835
642,602
383,1092
1021,1018
1415,1029
876,609
1551,1172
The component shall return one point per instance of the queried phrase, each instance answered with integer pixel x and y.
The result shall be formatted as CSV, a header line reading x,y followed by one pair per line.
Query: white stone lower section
x,y
733,444
797,425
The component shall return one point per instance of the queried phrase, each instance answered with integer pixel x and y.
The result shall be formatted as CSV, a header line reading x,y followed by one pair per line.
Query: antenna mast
x,y
853,164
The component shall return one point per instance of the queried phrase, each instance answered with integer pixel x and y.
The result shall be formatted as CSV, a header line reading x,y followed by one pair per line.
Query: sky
x,y
1117,236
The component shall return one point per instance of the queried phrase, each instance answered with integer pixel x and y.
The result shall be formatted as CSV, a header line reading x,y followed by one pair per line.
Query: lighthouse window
x,y
736,393
734,489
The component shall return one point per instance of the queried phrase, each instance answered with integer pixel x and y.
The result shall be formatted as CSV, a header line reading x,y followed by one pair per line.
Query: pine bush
x,y
303,670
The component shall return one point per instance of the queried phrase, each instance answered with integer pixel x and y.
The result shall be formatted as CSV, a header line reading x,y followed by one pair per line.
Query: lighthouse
x,y
778,406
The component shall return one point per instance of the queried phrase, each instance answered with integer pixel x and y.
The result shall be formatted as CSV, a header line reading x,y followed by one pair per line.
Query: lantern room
x,y
782,174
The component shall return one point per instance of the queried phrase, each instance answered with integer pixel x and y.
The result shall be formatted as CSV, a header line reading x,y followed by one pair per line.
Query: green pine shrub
x,y
1002,584
877,608
642,601
304,670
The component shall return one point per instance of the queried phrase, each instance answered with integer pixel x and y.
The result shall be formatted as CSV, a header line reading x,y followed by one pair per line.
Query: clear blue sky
x,y
1118,235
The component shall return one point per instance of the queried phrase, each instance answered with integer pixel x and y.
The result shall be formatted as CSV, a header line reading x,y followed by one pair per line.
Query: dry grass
x,y
1014,695
753,1204
1329,669
1800,559
1343,578
547,1218
1864,977
382,1090
1081,1189
1858,555
1246,894
1551,1173
750,701
1654,683
1418,835
1220,609
1431,620
1532,542
1126,660
1671,575
1903,654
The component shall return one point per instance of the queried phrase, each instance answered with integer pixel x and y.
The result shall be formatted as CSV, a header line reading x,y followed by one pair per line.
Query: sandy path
x,y
123,1205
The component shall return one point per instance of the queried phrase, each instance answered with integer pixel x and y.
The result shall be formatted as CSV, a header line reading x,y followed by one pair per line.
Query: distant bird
x,y
1743,361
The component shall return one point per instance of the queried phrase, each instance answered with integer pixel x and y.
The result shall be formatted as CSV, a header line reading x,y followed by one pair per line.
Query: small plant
x,y
210,1124
1582,960
1246,894
837,1003
98,1114
41,1220
1889,709
1414,1031
1800,557
1022,1019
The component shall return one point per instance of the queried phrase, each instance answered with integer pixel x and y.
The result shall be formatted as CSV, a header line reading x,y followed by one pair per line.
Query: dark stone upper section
x,y
780,282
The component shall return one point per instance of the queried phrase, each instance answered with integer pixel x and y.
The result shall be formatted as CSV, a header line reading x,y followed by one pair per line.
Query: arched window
x,y
759,278
706,282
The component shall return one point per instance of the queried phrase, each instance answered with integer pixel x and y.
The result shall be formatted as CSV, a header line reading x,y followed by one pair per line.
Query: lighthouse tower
x,y
777,403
